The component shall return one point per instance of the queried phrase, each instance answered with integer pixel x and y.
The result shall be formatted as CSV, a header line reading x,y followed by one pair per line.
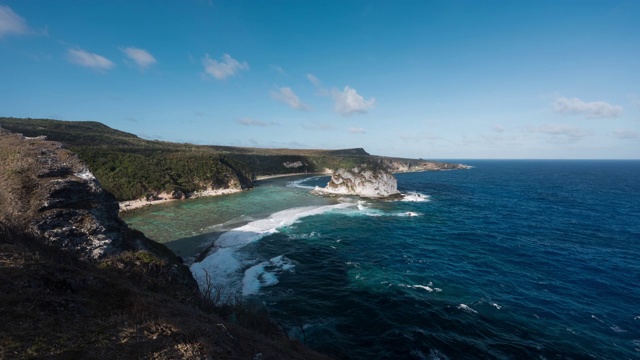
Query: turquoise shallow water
x,y
511,259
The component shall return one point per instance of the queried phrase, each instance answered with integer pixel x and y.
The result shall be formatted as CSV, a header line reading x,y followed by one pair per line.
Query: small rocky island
x,y
362,182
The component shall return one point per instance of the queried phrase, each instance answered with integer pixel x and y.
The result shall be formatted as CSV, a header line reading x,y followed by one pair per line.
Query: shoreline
x,y
267,177
130,205
163,198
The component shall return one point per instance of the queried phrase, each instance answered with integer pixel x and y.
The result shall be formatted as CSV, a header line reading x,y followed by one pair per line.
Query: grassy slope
x,y
131,167
55,306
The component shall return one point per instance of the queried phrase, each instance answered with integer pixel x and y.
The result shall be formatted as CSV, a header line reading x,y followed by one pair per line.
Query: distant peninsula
x,y
140,172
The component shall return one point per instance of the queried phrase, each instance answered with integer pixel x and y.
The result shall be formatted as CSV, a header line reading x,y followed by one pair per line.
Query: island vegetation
x,y
131,167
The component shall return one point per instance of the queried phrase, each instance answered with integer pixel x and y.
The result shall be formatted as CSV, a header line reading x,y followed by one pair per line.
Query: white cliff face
x,y
362,182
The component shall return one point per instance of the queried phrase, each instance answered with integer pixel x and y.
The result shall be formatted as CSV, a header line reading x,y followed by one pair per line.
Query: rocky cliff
x,y
371,183
77,283
50,193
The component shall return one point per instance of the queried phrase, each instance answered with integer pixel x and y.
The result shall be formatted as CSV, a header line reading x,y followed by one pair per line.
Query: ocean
x,y
508,260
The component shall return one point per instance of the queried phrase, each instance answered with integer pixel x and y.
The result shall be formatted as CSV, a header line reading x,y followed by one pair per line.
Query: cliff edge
x,y
77,282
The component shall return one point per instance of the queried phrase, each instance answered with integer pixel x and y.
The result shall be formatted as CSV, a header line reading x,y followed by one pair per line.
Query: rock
x,y
362,182
294,165
178,194
47,190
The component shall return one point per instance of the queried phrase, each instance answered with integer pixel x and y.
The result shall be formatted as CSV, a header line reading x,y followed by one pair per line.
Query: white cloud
x,y
498,128
594,109
90,60
287,96
318,126
626,134
356,130
278,69
224,69
570,133
12,23
141,57
253,122
314,80
321,91
349,102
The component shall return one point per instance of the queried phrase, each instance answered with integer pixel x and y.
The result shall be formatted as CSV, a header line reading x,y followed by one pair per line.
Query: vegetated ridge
x,y
131,167
76,282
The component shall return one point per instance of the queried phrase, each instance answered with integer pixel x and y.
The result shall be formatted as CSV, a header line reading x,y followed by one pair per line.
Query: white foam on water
x,y
258,229
264,274
596,318
216,272
496,306
409,214
423,287
428,287
222,269
437,355
617,329
415,197
228,224
299,183
466,308
636,318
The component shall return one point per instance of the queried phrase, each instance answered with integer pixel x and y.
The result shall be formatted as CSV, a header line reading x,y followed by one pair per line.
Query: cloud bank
x,y
287,96
571,133
594,109
12,23
348,102
356,130
141,57
626,134
226,68
90,60
253,122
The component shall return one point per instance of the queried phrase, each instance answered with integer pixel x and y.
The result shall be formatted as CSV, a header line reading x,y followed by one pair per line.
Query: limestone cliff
x,y
364,182
48,191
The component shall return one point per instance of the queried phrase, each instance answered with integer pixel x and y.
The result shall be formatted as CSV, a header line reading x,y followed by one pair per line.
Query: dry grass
x,y
53,306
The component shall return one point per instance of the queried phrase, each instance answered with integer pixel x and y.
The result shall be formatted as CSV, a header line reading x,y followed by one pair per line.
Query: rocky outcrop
x,y
293,164
413,165
361,182
46,190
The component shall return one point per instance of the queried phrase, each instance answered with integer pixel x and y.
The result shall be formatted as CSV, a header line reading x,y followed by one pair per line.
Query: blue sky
x,y
428,79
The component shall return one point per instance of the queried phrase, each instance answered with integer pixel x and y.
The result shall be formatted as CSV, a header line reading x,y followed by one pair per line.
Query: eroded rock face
x,y
47,190
362,182
77,215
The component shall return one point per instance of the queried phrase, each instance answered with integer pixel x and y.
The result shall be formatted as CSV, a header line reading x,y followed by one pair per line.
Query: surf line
x,y
220,273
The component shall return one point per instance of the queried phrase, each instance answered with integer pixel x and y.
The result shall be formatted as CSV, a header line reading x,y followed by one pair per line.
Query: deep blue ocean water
x,y
508,260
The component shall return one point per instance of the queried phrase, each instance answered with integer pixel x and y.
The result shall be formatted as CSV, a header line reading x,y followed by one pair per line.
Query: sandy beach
x,y
266,177
166,197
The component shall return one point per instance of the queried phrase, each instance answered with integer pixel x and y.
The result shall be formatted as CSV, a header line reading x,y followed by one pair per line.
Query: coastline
x,y
163,198
267,177
130,205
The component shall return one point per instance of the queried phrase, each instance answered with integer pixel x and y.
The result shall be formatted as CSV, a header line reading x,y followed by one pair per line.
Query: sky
x,y
420,79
